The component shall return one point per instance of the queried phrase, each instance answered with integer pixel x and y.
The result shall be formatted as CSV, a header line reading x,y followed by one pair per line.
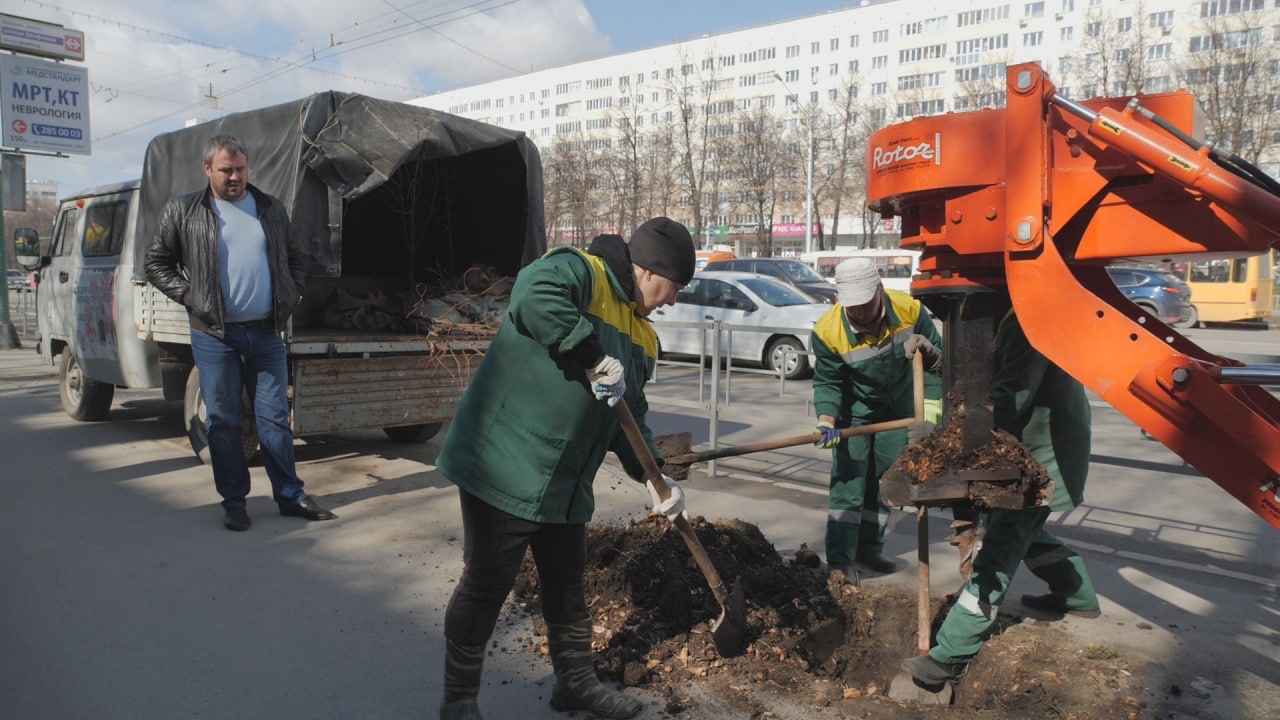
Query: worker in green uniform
x,y
863,348
530,434
1047,410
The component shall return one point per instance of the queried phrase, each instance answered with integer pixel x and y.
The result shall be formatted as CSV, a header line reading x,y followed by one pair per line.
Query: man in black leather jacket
x,y
225,253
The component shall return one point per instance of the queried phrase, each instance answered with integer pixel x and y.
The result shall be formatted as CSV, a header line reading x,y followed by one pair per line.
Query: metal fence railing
x,y
715,381
22,312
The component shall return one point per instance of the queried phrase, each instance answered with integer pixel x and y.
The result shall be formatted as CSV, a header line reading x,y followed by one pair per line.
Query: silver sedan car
x,y
766,321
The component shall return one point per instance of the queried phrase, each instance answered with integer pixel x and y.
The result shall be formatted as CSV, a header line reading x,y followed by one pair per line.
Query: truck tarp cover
x,y
476,188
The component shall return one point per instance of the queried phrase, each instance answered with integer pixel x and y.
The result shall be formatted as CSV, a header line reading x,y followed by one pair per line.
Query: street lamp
x,y
808,170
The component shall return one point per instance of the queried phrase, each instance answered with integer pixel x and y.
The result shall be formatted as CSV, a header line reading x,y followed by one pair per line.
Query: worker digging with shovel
x,y
863,349
529,436
1047,410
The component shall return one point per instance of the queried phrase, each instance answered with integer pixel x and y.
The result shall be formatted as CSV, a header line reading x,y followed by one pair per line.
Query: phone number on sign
x,y
57,131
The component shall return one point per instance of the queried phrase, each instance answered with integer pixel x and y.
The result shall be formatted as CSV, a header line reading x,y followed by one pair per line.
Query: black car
x,y
788,270
1157,291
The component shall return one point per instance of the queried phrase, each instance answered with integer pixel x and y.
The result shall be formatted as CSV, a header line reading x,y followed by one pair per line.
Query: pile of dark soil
x,y
813,639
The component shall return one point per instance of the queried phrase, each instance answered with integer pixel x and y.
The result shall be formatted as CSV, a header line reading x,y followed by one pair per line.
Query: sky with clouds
x,y
155,64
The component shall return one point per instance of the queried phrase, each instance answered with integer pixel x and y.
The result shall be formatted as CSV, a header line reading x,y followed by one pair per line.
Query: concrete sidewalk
x,y
123,596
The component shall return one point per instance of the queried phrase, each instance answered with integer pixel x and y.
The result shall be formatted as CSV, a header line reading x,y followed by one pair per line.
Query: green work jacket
x,y
529,435
861,378
1045,408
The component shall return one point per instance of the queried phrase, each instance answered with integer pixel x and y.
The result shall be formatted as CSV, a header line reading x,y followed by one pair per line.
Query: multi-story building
x,y
832,78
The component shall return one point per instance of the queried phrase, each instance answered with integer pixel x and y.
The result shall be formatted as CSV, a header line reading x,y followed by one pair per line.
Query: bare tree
x,y
1115,55
875,116
692,87
623,159
657,170
1233,69
754,165
573,180
845,141
1135,61
982,85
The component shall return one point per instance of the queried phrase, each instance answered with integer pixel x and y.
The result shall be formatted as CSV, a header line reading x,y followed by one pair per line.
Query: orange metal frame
x,y
1038,200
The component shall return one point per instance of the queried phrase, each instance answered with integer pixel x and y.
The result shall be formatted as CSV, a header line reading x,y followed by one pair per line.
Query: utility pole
x,y
8,333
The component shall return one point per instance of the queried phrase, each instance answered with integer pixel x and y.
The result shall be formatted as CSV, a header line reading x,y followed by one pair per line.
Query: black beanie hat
x,y
663,246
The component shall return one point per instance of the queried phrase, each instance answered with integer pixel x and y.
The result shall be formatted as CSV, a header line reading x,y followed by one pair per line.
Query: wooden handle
x,y
688,458
654,476
917,378
917,368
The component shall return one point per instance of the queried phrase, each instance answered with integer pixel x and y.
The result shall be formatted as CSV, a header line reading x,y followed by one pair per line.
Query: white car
x,y
743,301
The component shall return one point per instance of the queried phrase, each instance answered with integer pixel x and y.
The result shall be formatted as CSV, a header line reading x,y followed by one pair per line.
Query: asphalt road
x,y
123,596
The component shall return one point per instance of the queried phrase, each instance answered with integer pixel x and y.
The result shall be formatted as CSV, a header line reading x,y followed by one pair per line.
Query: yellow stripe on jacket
x,y
902,313
618,314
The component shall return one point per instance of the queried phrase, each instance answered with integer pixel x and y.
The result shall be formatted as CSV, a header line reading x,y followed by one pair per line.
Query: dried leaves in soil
x,y
812,640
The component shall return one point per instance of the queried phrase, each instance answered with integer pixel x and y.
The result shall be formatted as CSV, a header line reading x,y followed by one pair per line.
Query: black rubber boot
x,y
577,687
462,667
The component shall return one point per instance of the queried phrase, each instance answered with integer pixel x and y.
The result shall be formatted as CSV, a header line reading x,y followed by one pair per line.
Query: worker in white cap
x,y
863,348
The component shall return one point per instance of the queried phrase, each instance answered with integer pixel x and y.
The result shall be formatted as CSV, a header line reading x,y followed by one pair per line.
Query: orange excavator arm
x,y
1036,200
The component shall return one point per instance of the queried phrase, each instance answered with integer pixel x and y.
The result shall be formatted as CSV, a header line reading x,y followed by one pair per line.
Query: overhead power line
x,y
369,35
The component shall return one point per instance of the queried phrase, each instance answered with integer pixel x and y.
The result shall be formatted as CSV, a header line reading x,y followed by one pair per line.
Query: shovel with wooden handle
x,y
903,686
728,631
675,446
688,458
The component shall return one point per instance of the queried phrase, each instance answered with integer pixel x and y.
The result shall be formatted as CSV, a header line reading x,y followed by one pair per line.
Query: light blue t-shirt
x,y
242,260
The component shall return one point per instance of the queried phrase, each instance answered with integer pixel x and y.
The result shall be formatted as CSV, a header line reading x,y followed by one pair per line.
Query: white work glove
x,y
918,431
922,344
606,380
674,505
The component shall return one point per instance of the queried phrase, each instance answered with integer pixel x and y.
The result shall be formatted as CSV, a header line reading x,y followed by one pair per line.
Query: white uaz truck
x,y
412,221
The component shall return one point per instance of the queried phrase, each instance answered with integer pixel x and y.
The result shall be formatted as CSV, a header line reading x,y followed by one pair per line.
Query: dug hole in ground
x,y
818,648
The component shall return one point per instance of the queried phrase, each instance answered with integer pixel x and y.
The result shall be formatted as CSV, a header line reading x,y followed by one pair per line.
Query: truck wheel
x,y
413,433
197,417
82,398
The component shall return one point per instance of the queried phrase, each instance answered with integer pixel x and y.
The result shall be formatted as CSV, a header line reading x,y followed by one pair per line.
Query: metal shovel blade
x,y
729,631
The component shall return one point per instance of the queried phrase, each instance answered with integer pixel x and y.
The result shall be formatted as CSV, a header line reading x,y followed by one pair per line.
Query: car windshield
x,y
776,293
799,272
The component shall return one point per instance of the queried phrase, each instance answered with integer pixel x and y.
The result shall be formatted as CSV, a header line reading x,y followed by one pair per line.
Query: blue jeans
x,y
252,359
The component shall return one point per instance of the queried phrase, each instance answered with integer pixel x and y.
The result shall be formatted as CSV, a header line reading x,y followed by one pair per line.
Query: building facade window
x,y
986,15
1218,8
